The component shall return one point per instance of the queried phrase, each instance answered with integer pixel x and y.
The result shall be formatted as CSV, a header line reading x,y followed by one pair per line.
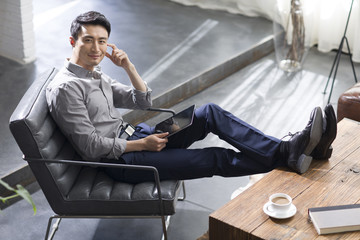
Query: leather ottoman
x,y
349,104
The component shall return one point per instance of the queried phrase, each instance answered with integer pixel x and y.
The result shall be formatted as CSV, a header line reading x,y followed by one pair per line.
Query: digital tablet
x,y
176,123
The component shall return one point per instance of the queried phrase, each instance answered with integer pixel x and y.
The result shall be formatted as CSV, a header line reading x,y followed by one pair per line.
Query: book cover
x,y
335,219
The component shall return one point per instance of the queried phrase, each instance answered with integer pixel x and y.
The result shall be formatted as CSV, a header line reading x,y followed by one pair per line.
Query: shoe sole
x,y
305,159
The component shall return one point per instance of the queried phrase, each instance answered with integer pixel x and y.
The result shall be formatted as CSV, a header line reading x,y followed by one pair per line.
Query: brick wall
x,y
17,40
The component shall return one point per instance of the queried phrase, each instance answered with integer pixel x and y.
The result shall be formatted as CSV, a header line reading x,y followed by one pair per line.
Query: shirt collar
x,y
82,72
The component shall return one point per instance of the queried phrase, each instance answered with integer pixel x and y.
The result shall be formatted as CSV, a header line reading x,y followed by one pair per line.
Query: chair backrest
x,y
39,137
74,189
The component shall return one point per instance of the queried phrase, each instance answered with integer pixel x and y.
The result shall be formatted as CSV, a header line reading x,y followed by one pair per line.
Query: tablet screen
x,y
177,122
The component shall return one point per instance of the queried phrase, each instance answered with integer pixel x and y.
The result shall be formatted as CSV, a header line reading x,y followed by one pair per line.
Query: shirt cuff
x,y
143,99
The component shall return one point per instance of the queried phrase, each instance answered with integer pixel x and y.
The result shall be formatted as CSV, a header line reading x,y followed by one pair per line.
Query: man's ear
x,y
72,41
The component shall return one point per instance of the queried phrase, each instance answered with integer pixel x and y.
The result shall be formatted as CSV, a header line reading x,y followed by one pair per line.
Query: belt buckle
x,y
129,130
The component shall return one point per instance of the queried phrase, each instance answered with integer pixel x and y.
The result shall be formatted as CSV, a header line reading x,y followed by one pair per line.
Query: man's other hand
x,y
154,143
118,57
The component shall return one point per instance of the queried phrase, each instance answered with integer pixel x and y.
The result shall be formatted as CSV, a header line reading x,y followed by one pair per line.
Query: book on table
x,y
335,219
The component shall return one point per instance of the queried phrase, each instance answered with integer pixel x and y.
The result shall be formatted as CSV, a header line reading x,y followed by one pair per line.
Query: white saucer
x,y
279,215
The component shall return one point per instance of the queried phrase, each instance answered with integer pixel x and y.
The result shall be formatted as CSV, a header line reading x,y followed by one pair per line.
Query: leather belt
x,y
127,131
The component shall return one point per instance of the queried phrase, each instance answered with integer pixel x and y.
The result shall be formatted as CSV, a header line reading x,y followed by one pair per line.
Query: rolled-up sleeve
x,y
143,99
129,97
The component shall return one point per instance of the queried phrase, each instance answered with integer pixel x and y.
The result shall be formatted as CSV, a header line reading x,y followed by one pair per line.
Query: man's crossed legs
x,y
258,152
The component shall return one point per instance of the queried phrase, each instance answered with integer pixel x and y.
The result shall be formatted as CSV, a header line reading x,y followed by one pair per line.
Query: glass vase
x,y
292,34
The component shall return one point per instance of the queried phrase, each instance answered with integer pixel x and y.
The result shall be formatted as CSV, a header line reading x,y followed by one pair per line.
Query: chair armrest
x,y
91,164
161,110
98,164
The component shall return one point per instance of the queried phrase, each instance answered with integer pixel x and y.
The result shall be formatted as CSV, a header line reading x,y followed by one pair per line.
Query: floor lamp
x,y
338,56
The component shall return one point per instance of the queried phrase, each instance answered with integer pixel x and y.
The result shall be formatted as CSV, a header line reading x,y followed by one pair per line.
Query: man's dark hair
x,y
92,18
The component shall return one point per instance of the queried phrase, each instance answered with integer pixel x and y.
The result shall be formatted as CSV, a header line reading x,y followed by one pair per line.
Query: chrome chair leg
x,y
54,228
166,223
184,192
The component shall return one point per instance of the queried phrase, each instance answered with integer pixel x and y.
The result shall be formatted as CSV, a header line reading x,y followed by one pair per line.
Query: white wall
x,y
17,38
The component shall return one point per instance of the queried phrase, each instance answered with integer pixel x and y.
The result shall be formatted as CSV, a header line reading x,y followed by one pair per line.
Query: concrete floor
x,y
169,49
260,94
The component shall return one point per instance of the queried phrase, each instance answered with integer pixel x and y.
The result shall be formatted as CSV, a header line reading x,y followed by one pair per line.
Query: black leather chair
x,y
75,188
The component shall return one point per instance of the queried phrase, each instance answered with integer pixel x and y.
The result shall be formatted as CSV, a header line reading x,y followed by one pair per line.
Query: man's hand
x,y
118,57
153,143
121,59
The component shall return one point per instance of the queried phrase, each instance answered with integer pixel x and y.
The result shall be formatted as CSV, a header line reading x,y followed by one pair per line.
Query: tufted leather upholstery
x,y
73,189
349,104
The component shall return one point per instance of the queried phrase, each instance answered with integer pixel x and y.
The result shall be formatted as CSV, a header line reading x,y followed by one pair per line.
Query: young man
x,y
83,102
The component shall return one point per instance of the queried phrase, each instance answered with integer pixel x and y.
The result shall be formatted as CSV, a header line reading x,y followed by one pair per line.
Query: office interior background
x,y
189,52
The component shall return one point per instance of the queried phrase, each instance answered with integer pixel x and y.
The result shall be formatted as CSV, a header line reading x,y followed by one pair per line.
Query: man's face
x,y
90,47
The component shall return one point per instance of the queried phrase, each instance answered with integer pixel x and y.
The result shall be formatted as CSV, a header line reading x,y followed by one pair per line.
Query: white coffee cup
x,y
280,202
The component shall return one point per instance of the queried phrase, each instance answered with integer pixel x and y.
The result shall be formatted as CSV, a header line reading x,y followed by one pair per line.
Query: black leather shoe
x,y
324,149
302,144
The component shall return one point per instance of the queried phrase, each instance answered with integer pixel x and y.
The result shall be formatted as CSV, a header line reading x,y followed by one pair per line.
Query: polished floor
x,y
149,30
168,43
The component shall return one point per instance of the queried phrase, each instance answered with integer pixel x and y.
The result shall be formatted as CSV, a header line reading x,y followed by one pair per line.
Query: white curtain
x,y
328,18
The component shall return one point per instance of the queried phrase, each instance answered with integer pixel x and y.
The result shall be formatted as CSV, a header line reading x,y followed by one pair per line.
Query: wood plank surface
x,y
327,183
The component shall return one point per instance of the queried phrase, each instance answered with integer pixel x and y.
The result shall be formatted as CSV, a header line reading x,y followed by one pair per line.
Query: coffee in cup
x,y
280,202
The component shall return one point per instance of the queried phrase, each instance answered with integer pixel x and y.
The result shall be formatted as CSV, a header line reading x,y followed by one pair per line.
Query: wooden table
x,y
327,183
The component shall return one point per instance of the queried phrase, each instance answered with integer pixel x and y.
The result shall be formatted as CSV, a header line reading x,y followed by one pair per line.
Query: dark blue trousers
x,y
257,151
